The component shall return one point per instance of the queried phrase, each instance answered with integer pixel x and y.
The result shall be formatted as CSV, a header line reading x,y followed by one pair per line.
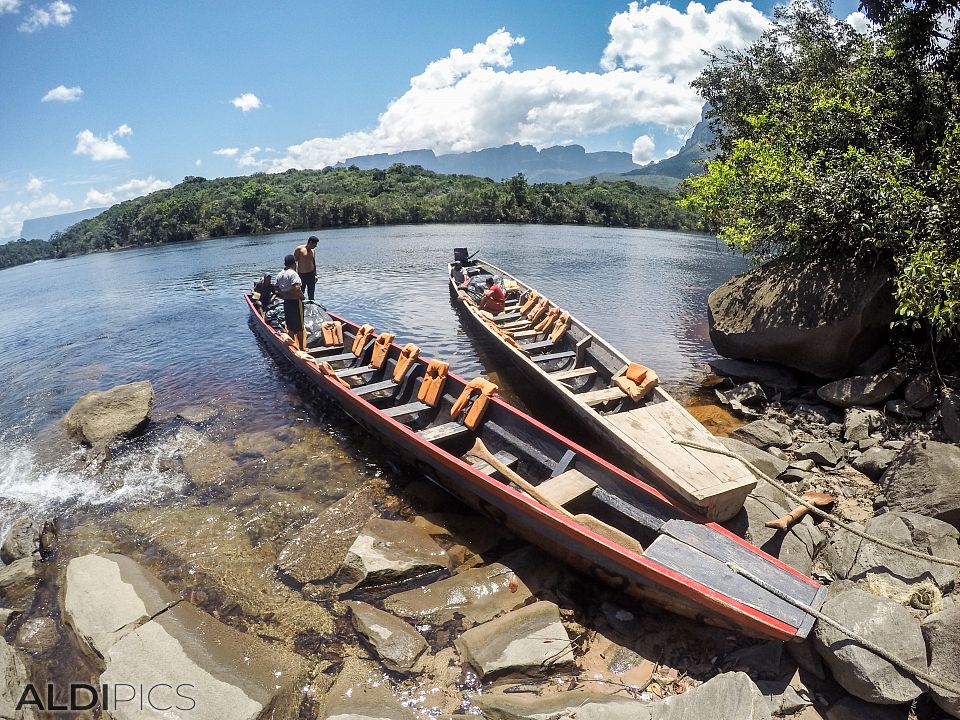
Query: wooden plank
x,y
568,457
651,516
351,372
554,356
487,469
442,432
507,318
402,411
567,486
724,549
375,387
573,374
327,349
596,397
713,573
525,333
524,447
341,357
581,349
541,345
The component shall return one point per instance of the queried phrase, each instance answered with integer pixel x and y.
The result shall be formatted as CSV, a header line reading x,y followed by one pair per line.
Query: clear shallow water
x,y
174,315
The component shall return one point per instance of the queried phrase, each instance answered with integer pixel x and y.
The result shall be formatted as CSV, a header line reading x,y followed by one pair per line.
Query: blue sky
x,y
104,100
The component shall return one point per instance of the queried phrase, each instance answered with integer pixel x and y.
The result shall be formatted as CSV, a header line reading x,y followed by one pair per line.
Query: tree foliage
x,y
349,197
837,144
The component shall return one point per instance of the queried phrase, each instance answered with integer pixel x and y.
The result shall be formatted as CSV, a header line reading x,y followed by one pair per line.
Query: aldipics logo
x,y
161,697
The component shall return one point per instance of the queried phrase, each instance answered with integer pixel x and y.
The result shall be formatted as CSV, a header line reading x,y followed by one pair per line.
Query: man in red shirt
x,y
493,300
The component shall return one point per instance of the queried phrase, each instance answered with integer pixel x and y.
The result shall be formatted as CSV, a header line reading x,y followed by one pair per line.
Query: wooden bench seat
x,y
573,374
567,486
441,432
598,397
353,371
341,357
404,412
375,387
481,465
553,356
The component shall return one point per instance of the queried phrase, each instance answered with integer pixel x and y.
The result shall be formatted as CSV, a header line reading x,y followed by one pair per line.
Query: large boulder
x,y
942,634
882,622
861,389
99,417
925,479
531,639
820,317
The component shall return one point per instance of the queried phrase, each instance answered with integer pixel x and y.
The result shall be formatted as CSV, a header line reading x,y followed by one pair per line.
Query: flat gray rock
x,y
233,676
874,461
942,635
883,622
579,705
763,461
858,423
861,389
106,596
855,558
19,577
13,678
822,453
396,643
388,551
529,639
728,696
925,478
361,692
99,417
851,708
764,434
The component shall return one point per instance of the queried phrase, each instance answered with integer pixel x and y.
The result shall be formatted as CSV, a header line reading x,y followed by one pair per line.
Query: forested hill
x,y
349,197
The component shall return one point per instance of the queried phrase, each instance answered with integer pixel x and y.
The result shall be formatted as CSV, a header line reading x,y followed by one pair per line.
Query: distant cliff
x,y
553,164
686,162
42,228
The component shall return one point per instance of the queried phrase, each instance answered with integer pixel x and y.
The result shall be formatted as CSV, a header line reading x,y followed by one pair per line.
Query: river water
x,y
207,505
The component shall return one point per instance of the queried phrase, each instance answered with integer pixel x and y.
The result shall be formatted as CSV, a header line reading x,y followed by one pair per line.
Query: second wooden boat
x,y
619,401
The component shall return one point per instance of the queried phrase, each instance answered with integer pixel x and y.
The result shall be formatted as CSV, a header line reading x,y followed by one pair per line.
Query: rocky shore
x,y
389,600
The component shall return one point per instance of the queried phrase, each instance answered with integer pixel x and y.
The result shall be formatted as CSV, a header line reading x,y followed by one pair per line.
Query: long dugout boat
x,y
620,402
544,487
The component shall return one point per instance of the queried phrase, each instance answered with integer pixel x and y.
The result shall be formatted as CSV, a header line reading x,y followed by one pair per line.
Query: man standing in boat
x,y
290,289
306,258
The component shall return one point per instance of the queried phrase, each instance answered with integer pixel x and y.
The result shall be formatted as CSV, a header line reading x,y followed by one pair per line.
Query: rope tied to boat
x,y
830,517
863,642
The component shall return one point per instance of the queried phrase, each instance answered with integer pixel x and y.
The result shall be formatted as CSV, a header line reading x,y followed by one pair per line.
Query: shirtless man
x,y
307,264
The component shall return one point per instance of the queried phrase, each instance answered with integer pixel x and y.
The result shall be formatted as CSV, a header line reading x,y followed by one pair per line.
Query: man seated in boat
x,y
290,289
493,300
264,293
459,277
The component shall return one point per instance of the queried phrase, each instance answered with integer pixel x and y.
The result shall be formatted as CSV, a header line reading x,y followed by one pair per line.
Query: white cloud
x,y
62,93
199,163
119,193
9,6
226,152
57,13
246,102
860,22
99,148
13,215
666,42
642,151
34,184
470,100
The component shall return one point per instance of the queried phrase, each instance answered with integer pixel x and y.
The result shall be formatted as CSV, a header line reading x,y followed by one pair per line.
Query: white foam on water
x,y
138,477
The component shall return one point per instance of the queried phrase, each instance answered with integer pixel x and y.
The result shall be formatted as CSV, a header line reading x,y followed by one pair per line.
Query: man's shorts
x,y
293,315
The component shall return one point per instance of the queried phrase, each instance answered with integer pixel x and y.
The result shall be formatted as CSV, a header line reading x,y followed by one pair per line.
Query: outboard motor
x,y
461,255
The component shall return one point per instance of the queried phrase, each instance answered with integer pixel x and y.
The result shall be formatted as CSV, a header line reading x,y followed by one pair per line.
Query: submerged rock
x,y
38,636
361,692
925,478
388,551
396,643
529,639
882,622
99,417
820,317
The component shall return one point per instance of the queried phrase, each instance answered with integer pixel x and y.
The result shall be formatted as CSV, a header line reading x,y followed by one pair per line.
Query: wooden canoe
x,y
581,370
590,514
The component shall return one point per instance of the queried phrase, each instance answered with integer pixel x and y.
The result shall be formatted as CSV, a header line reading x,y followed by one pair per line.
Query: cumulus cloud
x,y
227,151
61,93
58,13
663,41
119,193
643,149
860,22
9,6
246,102
102,148
13,215
34,184
471,100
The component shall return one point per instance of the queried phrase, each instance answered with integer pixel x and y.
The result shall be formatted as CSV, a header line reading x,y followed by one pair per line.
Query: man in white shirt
x,y
290,290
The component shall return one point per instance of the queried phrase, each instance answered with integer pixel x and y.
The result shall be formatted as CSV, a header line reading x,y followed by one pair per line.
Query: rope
x,y
838,521
866,644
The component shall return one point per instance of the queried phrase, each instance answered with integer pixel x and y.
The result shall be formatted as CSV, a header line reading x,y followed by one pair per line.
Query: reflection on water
x,y
207,502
